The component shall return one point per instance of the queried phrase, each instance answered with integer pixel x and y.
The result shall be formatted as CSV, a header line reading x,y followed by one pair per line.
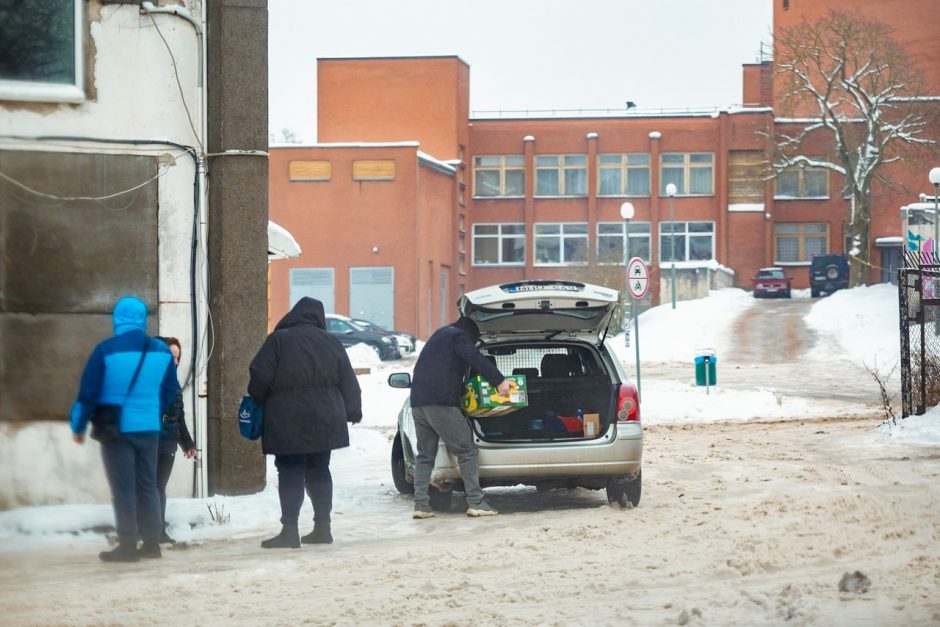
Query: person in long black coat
x,y
303,377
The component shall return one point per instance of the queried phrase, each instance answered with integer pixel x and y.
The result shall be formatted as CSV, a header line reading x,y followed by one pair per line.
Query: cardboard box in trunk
x,y
481,399
592,425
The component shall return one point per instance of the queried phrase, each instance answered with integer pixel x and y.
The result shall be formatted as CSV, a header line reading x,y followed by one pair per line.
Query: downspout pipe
x,y
200,339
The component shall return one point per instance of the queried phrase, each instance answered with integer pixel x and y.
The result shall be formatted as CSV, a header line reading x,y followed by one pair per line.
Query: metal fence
x,y
919,301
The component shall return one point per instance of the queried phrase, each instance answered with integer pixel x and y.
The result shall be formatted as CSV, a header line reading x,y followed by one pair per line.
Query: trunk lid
x,y
541,309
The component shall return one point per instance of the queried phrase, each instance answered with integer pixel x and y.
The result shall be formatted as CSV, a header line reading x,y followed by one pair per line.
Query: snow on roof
x,y
437,163
708,112
888,241
401,144
919,206
281,244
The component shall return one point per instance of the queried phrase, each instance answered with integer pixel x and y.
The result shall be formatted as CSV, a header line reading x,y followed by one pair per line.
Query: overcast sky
x,y
527,54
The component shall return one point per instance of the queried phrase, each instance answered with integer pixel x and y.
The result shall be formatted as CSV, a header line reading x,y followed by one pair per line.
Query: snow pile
x,y
923,430
363,356
668,334
671,402
864,323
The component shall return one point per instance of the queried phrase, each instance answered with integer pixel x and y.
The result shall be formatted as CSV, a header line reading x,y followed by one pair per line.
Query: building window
x,y
374,170
610,237
561,244
561,175
691,172
688,241
496,176
310,170
623,175
802,182
42,52
746,171
798,242
498,244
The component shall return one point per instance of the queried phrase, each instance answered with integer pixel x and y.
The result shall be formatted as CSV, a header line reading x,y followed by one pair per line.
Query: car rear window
x,y
771,274
546,361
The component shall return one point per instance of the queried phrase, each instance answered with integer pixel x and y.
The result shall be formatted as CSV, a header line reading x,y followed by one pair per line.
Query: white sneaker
x,y
483,509
420,514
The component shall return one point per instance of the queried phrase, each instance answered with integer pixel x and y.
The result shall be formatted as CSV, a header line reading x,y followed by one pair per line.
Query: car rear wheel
x,y
628,491
398,468
440,501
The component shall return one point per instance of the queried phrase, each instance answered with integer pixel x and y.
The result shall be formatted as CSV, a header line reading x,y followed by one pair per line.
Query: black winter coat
x,y
303,377
443,363
173,429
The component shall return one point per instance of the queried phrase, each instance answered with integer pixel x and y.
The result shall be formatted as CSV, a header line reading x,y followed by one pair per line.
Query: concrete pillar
x,y
237,80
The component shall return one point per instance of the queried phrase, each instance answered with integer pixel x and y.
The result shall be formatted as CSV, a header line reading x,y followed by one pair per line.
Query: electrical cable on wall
x,y
191,151
179,83
163,169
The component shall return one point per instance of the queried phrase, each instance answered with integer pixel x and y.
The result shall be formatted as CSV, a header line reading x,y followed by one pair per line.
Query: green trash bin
x,y
705,368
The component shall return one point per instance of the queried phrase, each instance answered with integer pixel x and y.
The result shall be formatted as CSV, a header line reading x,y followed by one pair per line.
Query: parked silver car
x,y
553,332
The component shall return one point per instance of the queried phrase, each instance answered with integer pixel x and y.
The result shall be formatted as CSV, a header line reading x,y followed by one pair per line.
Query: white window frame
x,y
37,91
561,166
502,168
499,236
561,238
624,167
687,166
636,235
684,224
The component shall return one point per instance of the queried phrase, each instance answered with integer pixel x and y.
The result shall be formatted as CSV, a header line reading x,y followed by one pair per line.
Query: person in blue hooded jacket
x,y
130,457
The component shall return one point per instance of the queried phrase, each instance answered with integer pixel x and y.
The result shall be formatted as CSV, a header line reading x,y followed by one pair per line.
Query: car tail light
x,y
628,403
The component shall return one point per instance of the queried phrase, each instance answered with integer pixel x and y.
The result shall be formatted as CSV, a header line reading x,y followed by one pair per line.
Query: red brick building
x,y
409,201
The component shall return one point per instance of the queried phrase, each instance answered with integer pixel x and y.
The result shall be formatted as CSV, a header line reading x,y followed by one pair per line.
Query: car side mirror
x,y
399,380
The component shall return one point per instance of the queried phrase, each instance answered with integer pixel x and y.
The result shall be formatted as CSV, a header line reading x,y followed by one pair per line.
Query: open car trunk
x,y
561,380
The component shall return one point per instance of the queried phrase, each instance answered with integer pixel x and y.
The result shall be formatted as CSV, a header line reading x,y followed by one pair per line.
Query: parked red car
x,y
771,282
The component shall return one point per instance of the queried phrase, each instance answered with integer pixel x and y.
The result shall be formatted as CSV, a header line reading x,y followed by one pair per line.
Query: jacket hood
x,y
306,311
468,326
130,314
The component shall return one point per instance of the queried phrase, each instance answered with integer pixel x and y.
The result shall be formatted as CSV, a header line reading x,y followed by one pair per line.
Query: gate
x,y
919,300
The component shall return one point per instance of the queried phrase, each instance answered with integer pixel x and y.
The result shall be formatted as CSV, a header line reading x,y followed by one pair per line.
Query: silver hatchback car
x,y
552,332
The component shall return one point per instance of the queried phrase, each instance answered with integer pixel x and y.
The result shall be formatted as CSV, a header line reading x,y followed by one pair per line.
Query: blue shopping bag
x,y
250,418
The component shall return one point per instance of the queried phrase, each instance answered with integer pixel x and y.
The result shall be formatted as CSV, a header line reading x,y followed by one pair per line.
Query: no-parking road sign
x,y
638,277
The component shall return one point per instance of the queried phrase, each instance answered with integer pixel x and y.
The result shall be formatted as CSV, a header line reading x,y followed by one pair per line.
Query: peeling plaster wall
x,y
133,94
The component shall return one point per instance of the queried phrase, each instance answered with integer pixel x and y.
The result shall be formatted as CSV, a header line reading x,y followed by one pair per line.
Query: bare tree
x,y
286,136
606,274
853,86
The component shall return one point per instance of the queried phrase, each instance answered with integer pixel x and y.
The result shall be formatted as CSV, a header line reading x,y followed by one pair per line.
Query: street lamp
x,y
626,212
934,177
671,192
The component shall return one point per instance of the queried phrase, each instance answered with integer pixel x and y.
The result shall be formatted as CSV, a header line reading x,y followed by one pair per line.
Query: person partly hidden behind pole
x,y
173,433
303,377
129,381
435,405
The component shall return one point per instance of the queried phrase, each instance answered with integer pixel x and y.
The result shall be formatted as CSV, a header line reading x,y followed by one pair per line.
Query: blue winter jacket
x,y
111,367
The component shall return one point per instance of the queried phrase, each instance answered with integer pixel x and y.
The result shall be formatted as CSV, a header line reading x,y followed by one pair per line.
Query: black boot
x,y
150,549
166,539
289,538
125,552
320,534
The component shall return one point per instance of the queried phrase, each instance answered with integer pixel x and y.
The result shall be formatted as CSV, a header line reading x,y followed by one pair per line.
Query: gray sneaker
x,y
421,513
483,509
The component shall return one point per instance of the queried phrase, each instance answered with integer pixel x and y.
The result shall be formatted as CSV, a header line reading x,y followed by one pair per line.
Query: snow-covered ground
x,y
861,321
